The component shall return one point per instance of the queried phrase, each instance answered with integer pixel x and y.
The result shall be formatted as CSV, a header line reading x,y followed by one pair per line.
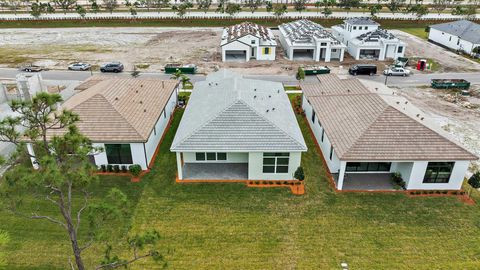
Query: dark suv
x,y
112,67
363,69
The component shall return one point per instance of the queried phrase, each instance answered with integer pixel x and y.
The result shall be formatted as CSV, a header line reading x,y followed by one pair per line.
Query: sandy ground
x,y
148,48
462,123
449,61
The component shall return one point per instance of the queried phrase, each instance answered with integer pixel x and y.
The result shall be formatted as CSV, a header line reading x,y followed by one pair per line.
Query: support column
x,y
328,53
179,165
342,53
341,175
32,156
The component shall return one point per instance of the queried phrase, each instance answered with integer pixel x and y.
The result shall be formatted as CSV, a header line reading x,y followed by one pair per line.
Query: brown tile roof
x,y
120,109
362,126
247,28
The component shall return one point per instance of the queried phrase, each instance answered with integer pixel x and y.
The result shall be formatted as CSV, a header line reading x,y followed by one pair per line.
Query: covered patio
x,y
365,181
215,171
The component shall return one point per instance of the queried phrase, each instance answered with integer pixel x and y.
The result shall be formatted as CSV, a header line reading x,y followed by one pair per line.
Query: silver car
x,y
79,66
396,71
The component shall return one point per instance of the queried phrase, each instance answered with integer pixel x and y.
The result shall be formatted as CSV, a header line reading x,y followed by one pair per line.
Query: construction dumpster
x,y
314,70
184,69
450,84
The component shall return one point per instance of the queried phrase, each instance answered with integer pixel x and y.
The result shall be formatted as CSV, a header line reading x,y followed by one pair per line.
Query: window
x,y
366,27
354,28
275,162
323,44
155,131
400,49
368,166
313,116
164,114
267,51
323,134
458,41
450,39
252,42
438,172
331,152
118,153
334,50
211,156
359,28
319,123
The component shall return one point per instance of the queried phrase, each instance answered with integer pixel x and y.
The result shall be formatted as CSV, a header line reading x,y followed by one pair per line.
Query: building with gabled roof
x,y
460,35
245,41
363,133
366,40
237,129
125,116
307,40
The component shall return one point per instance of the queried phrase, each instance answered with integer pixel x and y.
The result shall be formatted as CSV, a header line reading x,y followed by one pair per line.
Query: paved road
x,y
415,79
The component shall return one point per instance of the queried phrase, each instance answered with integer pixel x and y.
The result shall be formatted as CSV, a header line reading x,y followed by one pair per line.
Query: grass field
x,y
416,31
230,226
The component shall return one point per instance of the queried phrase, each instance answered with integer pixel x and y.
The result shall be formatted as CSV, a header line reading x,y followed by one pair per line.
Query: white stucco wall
x,y
245,44
334,163
449,40
255,167
418,172
162,122
138,155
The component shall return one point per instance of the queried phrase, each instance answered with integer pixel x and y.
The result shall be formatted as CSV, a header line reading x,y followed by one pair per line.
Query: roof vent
x,y
268,110
216,83
273,109
376,88
348,90
278,91
136,91
255,96
269,96
144,110
141,85
255,89
116,98
209,84
141,102
418,115
398,102
406,102
421,118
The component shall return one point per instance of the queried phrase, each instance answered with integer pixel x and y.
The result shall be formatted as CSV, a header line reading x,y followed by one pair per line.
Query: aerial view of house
x,y
364,139
460,35
237,129
245,41
366,40
126,117
307,40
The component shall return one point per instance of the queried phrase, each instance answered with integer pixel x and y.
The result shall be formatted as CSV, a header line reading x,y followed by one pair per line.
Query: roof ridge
x,y
121,115
205,123
365,130
266,119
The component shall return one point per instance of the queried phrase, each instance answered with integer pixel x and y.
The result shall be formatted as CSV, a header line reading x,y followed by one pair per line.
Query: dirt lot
x,y
148,48
447,60
454,117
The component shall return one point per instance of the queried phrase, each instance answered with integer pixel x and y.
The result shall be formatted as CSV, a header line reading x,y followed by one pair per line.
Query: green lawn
x,y
416,31
230,226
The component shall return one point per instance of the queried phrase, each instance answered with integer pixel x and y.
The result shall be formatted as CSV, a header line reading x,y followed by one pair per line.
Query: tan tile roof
x,y
120,109
247,28
362,126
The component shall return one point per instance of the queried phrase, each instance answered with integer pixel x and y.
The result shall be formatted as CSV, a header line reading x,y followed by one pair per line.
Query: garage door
x,y
236,55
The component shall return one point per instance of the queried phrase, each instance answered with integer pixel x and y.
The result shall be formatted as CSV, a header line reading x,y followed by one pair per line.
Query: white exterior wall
x,y
334,163
245,44
255,167
162,122
450,41
138,155
415,180
236,46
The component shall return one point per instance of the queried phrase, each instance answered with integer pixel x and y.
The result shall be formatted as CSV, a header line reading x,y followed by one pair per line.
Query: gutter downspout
x,y
145,153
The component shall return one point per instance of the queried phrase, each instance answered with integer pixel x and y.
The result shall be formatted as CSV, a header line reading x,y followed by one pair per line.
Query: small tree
x,y
65,5
394,5
233,8
133,12
253,5
299,5
299,174
185,80
268,6
300,74
474,180
49,8
204,5
81,11
94,6
110,5
440,5
374,9
279,10
135,73
318,5
177,75
36,9
221,6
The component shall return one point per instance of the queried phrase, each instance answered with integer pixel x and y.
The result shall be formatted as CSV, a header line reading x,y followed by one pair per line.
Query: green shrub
x,y
474,180
398,180
103,168
299,174
124,168
109,168
116,168
135,170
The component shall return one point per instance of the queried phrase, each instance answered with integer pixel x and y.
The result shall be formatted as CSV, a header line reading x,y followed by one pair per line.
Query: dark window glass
x,y
221,156
275,162
331,152
368,166
282,161
269,161
268,169
164,114
267,50
438,172
323,134
211,156
400,49
313,117
282,169
200,156
118,153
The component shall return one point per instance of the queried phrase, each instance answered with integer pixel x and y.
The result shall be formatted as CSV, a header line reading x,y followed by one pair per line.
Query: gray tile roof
x,y
362,126
361,21
464,29
229,113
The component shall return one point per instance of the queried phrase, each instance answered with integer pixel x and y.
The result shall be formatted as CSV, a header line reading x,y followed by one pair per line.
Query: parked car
x,y
79,66
31,68
112,67
396,71
363,69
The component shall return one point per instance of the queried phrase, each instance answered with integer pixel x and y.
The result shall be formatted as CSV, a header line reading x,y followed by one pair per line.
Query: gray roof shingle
x,y
229,113
362,126
464,29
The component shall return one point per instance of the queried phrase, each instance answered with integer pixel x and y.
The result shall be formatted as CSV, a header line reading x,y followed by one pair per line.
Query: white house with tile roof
x,y
365,135
238,129
366,40
306,40
460,35
245,41
125,116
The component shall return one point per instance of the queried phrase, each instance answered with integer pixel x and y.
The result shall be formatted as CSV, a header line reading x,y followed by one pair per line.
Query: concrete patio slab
x,y
366,181
215,171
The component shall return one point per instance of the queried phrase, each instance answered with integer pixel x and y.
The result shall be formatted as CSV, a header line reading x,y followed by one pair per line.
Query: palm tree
x,y
185,80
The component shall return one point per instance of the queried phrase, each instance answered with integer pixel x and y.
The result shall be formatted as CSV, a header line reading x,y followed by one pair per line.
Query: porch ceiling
x,y
215,171
366,181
